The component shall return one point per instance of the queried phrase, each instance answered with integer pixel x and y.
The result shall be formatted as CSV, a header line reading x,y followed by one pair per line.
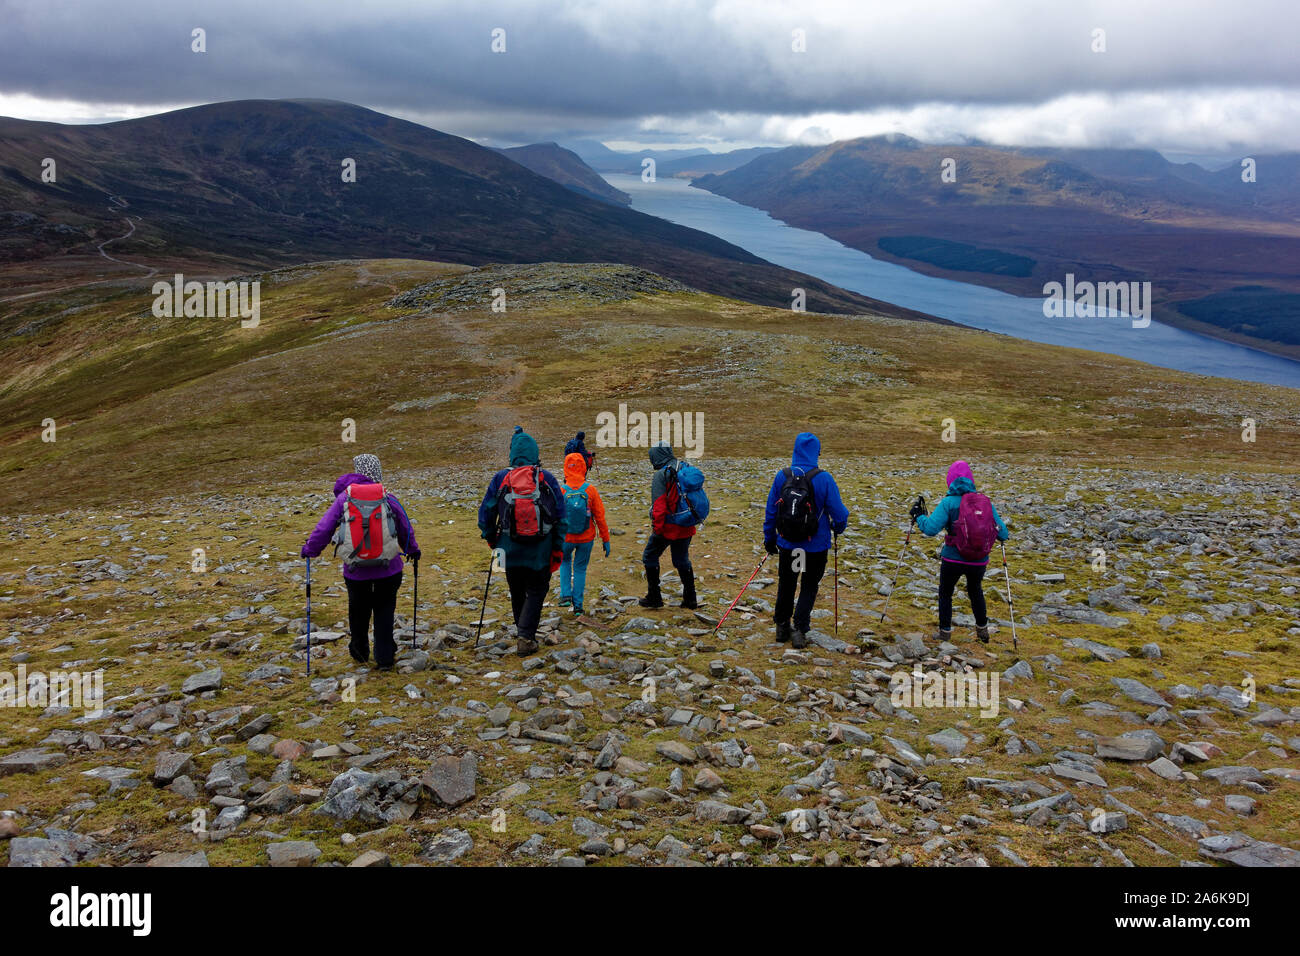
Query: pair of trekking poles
x,y
836,575
415,608
1011,611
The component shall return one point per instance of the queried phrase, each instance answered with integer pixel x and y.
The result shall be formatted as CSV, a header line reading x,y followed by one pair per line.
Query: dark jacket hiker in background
x,y
985,528
664,534
372,584
578,445
523,514
803,510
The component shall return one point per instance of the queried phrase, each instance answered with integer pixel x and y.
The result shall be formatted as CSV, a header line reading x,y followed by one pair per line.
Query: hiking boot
x,y
799,638
982,633
652,596
944,635
385,667
524,648
357,655
688,591
577,610
784,632
564,602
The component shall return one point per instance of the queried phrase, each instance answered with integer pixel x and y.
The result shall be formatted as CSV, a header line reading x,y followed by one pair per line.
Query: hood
x,y
575,469
523,450
807,449
960,469
351,478
661,455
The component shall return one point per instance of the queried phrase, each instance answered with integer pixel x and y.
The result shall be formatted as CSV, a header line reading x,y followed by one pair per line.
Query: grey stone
x,y
202,681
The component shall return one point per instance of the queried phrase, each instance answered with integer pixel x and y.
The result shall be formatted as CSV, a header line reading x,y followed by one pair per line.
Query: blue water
x,y
972,305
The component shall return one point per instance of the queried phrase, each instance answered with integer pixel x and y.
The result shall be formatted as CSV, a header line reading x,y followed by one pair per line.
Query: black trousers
x,y
528,589
377,597
657,544
950,572
788,580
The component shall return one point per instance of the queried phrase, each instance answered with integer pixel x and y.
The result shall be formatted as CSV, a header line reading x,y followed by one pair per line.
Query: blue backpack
x,y
577,511
692,502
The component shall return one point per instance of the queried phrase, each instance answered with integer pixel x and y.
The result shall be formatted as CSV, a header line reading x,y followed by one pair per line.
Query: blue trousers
x,y
573,570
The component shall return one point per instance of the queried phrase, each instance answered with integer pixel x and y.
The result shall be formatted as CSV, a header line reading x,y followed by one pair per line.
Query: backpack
x,y
577,510
797,517
526,508
692,504
368,531
974,532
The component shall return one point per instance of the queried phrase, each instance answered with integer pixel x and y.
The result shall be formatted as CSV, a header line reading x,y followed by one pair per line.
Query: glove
x,y
557,558
918,508
606,549
415,555
769,545
304,553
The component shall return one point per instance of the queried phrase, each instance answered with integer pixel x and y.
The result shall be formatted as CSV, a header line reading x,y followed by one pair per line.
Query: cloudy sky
x,y
1190,77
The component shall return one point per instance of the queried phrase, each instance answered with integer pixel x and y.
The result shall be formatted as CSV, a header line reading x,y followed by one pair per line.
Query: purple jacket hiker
x,y
320,538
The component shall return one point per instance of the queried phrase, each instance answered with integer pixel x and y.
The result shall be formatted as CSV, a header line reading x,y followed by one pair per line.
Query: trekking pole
x,y
415,601
899,564
836,539
484,608
309,617
742,591
1015,644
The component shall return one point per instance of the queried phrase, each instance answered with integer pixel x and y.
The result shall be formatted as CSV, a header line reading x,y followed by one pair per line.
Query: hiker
x,y
803,510
578,444
584,514
523,514
372,569
973,526
664,533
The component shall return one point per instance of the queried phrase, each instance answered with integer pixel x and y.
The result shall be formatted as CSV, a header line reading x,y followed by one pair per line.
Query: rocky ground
x,y
1148,715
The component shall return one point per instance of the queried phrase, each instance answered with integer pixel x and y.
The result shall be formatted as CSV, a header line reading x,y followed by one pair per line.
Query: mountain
x,y
566,168
259,182
600,157
1016,219
693,166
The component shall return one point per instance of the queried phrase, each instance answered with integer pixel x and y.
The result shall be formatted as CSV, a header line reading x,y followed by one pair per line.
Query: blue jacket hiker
x,y
804,502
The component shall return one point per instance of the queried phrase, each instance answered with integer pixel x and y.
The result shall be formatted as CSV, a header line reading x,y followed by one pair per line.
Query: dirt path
x,y
120,203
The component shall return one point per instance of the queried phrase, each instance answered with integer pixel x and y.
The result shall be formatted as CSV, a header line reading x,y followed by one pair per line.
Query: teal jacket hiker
x,y
945,512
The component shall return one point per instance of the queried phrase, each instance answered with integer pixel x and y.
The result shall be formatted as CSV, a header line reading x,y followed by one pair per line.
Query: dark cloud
x,y
579,66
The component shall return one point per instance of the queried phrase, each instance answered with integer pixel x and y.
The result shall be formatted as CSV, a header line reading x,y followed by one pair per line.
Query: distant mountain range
x,y
1223,255
687,163
260,182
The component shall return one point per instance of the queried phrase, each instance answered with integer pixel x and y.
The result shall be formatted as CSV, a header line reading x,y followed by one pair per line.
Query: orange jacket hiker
x,y
575,473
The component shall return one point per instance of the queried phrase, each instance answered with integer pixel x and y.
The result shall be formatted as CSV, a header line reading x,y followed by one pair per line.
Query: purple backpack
x,y
974,532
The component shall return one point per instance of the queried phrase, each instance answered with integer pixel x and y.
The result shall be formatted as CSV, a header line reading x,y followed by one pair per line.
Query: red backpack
x,y
368,531
974,532
526,508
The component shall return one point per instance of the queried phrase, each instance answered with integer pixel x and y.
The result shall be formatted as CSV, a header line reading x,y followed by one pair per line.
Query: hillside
x,y
1122,733
260,182
566,168
1017,218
